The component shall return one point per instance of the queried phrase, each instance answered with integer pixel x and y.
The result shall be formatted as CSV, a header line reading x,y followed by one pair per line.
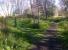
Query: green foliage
x,y
64,33
65,39
44,24
63,24
24,23
35,26
27,33
1,19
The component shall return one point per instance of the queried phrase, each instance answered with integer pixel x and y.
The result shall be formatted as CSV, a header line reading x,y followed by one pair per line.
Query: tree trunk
x,y
15,22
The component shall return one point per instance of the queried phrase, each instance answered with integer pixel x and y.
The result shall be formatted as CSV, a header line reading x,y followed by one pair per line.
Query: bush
x,y
25,23
64,35
35,26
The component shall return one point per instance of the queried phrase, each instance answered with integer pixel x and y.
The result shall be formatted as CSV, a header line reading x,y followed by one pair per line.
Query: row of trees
x,y
64,7
41,8
44,7
36,8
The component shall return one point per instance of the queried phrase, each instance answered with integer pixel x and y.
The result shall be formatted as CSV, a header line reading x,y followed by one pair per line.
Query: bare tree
x,y
18,10
31,1
64,4
46,6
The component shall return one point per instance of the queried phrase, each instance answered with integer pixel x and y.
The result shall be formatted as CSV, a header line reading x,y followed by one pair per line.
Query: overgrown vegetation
x,y
24,35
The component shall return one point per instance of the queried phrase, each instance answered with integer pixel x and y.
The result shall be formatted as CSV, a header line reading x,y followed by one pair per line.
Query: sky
x,y
7,5
57,3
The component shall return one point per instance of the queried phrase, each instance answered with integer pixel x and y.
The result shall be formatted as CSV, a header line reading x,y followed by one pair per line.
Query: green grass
x,y
24,35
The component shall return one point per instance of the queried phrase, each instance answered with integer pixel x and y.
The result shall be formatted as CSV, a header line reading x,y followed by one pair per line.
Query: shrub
x,y
35,26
